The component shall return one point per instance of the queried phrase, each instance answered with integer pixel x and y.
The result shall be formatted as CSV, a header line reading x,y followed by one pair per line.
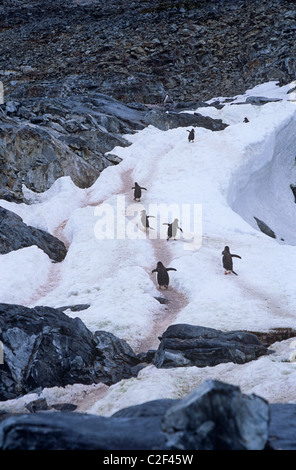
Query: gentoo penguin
x,y
172,230
137,192
144,219
227,260
162,275
191,135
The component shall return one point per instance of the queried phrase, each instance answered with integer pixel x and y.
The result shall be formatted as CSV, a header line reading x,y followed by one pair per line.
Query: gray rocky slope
x,y
77,76
139,51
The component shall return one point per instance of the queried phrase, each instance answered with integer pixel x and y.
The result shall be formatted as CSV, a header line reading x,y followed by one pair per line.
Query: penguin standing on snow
x,y
172,230
144,219
191,135
162,275
227,260
137,192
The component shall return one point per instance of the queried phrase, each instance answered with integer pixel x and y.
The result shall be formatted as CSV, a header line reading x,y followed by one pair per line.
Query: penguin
x,y
172,230
246,119
138,192
162,275
144,219
191,135
227,260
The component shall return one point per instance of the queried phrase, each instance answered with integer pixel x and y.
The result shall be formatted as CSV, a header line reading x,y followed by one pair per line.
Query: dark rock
x,y
37,405
187,345
64,407
149,408
43,347
75,431
260,100
15,234
162,300
33,156
217,416
116,358
74,308
293,187
147,356
147,49
168,120
264,228
4,414
282,427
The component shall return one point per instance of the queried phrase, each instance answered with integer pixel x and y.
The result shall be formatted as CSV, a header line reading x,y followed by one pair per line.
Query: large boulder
x,y
77,431
43,347
190,345
15,234
217,416
165,120
34,156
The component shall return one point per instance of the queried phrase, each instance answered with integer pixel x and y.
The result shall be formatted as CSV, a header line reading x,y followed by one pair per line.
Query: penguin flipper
x,y
171,269
236,256
154,271
234,273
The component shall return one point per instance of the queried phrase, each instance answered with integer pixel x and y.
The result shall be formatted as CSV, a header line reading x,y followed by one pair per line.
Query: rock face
x,y
216,416
282,427
43,347
42,140
33,156
139,51
15,234
187,345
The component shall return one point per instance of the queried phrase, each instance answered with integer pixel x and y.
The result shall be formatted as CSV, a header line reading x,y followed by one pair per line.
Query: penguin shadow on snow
x,y
227,260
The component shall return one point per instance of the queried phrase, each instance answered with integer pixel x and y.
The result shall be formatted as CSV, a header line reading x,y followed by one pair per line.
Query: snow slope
x,y
214,186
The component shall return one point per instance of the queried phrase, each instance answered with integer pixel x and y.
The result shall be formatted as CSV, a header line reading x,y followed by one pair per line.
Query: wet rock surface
x,y
215,416
43,347
183,345
15,234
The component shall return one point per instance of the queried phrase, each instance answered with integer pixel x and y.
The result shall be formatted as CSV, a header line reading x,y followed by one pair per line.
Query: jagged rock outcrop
x,y
188,345
33,156
15,234
42,140
215,416
43,347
